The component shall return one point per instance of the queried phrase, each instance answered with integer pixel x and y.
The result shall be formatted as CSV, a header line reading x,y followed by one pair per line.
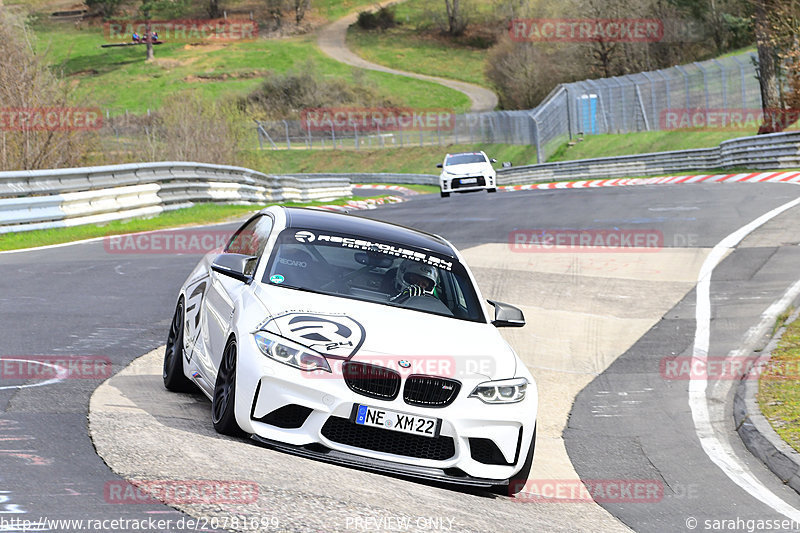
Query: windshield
x,y
464,159
361,268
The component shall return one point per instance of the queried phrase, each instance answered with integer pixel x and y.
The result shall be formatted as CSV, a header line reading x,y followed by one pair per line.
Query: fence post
x,y
286,129
654,115
333,135
667,91
355,132
569,114
624,128
742,74
705,81
537,139
722,73
641,106
310,142
686,84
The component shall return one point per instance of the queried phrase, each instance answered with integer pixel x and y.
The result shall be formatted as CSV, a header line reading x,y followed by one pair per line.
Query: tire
x,y
174,378
517,483
223,402
445,194
493,189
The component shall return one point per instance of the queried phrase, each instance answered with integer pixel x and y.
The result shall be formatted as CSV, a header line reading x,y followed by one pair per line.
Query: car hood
x,y
469,168
386,335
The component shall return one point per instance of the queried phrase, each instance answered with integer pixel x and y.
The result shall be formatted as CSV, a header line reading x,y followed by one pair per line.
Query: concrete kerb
x,y
753,427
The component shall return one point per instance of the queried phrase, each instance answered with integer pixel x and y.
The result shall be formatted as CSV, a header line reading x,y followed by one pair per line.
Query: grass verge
x,y
190,216
417,44
424,189
643,142
410,160
778,393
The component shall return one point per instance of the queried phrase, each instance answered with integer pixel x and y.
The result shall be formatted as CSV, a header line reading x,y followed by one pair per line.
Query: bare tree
x,y
768,42
214,9
300,8
27,84
456,21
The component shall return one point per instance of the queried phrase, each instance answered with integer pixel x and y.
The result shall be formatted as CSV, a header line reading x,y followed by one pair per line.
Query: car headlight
x,y
502,391
290,353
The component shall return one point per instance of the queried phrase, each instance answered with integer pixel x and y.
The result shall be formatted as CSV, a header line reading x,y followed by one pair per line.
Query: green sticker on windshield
x,y
277,278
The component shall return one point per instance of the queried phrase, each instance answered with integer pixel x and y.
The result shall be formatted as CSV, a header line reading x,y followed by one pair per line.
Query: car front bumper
x,y
323,428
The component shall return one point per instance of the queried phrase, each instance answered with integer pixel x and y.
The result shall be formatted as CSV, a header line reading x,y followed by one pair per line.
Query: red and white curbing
x,y
398,188
369,203
755,177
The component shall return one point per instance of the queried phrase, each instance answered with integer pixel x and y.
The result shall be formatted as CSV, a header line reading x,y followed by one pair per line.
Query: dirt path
x,y
331,40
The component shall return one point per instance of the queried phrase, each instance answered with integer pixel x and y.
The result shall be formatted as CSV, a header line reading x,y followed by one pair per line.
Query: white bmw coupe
x,y
356,342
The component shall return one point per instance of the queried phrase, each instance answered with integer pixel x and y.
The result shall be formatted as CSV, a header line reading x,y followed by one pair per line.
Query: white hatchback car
x,y
467,172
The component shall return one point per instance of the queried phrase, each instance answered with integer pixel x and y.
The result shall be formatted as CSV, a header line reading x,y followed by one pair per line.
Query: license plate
x,y
365,415
466,181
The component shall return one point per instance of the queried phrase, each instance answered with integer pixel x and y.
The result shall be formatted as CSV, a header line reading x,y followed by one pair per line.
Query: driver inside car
x,y
415,279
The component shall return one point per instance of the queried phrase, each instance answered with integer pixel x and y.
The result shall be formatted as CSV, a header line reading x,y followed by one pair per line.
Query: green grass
x,y
414,46
334,9
120,79
411,160
779,394
190,216
643,142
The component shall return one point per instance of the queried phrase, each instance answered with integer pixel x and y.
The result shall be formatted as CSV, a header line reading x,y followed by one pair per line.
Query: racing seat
x,y
299,269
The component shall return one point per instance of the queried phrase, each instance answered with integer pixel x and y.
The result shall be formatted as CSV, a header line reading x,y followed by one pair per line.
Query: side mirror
x,y
506,164
439,165
507,316
493,160
236,266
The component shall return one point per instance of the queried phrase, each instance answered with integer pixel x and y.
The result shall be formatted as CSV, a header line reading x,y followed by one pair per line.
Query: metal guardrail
x,y
761,152
43,199
363,177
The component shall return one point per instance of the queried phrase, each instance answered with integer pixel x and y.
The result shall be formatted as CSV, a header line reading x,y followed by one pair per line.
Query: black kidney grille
x,y
371,380
430,391
349,433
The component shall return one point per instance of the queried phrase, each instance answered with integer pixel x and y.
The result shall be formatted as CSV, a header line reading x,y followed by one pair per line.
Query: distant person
x,y
135,37
154,36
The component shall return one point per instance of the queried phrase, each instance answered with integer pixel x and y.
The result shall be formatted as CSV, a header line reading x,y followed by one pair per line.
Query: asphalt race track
x,y
600,327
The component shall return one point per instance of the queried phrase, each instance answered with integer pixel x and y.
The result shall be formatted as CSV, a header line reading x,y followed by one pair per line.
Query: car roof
x,y
298,217
466,153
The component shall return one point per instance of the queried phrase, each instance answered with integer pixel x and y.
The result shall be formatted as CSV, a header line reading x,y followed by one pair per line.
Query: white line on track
x,y
61,374
719,451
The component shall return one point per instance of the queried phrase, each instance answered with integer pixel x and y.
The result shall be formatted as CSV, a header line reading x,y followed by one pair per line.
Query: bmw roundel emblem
x,y
404,364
